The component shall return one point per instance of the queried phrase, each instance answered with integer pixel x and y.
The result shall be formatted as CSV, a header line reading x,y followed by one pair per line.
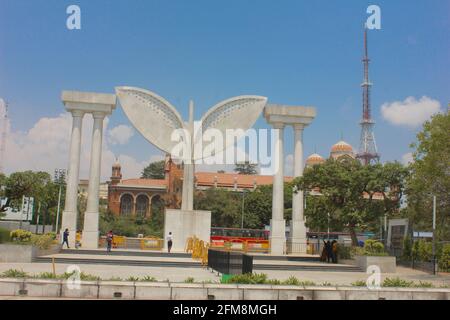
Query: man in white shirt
x,y
169,241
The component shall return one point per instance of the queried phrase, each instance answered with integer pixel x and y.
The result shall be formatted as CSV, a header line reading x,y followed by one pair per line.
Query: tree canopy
x,y
246,168
349,192
154,170
430,176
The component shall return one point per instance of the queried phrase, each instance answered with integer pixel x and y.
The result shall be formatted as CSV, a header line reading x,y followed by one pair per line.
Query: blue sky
x,y
293,52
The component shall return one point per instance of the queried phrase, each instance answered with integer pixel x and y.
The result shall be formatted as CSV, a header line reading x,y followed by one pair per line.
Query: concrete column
x,y
297,226
278,224
69,217
91,216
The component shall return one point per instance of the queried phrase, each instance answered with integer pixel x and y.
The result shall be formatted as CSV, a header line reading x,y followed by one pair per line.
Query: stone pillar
x,y
69,217
297,226
278,224
91,216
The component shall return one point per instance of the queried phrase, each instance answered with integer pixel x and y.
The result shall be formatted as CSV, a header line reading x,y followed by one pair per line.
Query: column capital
x,y
298,126
278,125
76,113
98,115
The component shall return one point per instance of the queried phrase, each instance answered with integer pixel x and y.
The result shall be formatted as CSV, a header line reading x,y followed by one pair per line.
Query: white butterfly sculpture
x,y
156,119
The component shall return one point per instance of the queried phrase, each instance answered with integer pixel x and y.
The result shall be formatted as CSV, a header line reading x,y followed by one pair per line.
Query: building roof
x,y
208,179
314,159
229,179
149,183
341,146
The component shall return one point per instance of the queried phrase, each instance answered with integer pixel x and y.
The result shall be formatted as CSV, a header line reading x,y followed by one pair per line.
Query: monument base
x,y
277,236
297,239
69,221
184,224
89,239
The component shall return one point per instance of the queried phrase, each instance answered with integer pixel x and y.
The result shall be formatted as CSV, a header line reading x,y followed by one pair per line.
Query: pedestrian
x,y
323,256
329,251
109,240
334,250
66,238
169,241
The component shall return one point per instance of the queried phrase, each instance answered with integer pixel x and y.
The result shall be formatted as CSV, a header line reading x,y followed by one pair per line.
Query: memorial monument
x,y
157,120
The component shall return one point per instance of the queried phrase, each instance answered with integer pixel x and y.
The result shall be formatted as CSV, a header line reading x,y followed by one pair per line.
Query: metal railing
x,y
302,247
229,262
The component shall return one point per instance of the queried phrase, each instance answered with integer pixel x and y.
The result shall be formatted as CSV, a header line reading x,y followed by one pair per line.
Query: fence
x,y
302,247
262,246
229,262
431,266
121,242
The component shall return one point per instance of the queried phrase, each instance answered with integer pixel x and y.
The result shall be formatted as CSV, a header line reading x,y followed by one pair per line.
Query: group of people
x,y
329,251
110,238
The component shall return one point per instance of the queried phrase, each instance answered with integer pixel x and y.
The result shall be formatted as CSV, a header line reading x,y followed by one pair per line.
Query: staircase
x,y
184,260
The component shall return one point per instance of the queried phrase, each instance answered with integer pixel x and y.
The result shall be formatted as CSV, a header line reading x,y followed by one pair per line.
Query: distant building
x,y
83,189
136,196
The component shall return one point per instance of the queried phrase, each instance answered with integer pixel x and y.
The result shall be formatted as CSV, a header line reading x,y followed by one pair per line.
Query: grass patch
x,y
14,273
148,279
359,283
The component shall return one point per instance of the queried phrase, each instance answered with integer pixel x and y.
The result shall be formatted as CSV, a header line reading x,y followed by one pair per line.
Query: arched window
x,y
141,205
126,205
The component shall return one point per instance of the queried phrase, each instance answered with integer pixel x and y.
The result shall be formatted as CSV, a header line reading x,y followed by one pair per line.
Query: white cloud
x,y
120,134
45,147
410,112
407,158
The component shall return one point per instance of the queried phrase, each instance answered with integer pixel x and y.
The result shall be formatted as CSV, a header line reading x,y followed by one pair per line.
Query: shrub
x,y
89,277
397,282
307,283
189,280
42,241
133,279
48,275
374,248
4,235
345,252
422,250
248,278
444,259
359,283
20,235
14,273
292,281
148,279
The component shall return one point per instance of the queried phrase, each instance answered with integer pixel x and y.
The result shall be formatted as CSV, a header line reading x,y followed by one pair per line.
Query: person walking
x,y
329,250
109,240
323,256
169,241
66,238
334,250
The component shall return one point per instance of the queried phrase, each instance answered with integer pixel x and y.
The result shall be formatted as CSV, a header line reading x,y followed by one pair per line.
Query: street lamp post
x,y
243,199
59,176
328,228
434,236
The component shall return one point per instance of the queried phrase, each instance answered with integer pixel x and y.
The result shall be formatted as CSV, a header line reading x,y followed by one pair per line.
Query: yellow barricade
x,y
151,243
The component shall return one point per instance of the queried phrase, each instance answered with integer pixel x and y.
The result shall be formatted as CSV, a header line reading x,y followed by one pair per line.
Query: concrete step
x,y
121,262
128,253
187,262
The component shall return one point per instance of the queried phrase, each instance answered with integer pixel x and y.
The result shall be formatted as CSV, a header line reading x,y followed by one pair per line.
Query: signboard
x,y
24,214
422,234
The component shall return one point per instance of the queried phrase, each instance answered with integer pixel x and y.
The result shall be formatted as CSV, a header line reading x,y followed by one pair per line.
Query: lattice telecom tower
x,y
367,147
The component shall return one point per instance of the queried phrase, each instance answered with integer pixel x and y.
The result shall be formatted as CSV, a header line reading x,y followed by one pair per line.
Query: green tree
x,y
246,168
154,170
225,206
348,189
430,176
